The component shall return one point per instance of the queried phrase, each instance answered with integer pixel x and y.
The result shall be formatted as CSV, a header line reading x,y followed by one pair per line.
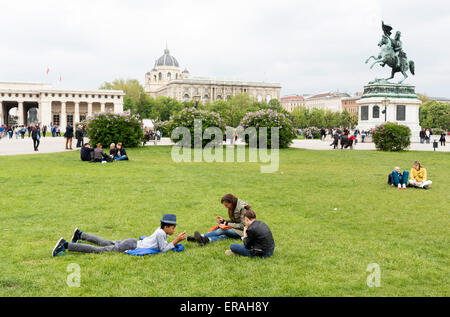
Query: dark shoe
x,y
59,248
200,239
190,239
76,235
425,187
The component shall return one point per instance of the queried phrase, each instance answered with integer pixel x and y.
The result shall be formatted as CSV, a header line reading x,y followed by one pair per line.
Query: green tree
x,y
131,87
435,114
300,117
316,118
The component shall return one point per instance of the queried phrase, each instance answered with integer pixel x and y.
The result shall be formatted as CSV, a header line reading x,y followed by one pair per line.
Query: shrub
x,y
270,118
391,137
185,118
107,128
314,131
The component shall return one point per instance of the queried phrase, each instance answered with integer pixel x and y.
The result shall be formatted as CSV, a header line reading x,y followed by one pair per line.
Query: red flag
x,y
48,70
60,78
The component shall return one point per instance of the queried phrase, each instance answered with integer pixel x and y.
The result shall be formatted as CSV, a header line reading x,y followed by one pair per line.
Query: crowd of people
x,y
96,155
152,135
256,236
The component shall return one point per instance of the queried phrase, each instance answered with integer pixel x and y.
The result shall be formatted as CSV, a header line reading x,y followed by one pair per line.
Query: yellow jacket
x,y
419,175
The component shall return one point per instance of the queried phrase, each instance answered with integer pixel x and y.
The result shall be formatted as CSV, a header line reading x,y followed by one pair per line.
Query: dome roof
x,y
166,60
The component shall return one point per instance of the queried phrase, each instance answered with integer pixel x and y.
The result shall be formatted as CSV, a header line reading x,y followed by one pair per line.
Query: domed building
x,y
167,79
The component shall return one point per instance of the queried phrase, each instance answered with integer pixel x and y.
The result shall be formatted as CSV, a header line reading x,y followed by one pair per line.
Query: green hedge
x,y
391,137
269,118
107,128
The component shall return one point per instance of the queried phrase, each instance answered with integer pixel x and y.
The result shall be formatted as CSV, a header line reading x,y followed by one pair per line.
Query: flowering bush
x,y
270,118
391,137
107,128
315,132
185,118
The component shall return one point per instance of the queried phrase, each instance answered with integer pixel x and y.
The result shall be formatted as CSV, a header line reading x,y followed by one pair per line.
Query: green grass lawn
x,y
319,251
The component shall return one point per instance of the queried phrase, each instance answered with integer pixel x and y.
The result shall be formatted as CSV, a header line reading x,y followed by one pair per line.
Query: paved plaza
x,y
54,145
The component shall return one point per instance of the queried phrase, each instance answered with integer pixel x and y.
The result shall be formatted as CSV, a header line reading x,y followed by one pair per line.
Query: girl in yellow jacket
x,y
419,176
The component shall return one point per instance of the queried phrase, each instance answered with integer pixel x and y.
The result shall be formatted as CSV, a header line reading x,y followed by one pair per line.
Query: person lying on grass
x,y
158,241
232,228
419,176
258,239
397,178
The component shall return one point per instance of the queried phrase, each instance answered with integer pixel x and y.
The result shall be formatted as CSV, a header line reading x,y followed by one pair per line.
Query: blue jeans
x,y
242,250
220,234
422,140
402,180
121,158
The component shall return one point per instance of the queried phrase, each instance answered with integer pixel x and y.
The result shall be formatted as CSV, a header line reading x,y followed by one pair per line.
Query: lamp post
x,y
196,100
385,103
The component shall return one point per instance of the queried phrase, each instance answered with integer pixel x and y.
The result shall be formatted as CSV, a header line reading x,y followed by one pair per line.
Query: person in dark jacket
x,y
69,136
442,139
120,153
258,239
335,141
100,156
36,135
87,153
79,136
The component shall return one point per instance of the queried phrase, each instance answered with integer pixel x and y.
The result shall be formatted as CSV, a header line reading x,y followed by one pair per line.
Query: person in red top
x,y
351,140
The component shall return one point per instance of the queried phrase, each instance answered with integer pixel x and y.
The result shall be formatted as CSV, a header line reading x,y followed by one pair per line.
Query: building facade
x,y
166,79
289,103
326,101
54,106
350,104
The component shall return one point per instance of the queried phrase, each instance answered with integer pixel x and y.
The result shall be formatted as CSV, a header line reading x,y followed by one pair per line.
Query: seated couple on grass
x,y
118,153
156,243
418,177
256,235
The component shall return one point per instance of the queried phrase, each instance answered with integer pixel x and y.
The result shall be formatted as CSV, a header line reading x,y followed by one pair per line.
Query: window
x,y
160,76
82,117
364,112
70,119
56,119
375,112
219,97
401,113
205,97
169,76
186,97
154,77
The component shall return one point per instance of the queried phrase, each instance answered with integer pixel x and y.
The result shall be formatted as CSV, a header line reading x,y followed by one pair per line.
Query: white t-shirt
x,y
158,240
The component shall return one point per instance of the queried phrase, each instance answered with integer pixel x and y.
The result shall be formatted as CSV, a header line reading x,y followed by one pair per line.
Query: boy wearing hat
x,y
158,240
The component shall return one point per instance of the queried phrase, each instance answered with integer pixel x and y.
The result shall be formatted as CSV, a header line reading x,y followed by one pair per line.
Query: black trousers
x,y
80,142
36,144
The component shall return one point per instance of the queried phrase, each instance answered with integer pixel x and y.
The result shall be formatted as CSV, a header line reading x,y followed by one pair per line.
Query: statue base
x,y
386,102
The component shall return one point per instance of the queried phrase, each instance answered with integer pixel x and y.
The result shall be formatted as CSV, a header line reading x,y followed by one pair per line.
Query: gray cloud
x,y
307,46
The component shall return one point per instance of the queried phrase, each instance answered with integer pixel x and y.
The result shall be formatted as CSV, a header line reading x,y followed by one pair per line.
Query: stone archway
x,y
30,113
6,107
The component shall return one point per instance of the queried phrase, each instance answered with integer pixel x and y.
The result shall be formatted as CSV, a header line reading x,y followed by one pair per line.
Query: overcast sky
x,y
306,46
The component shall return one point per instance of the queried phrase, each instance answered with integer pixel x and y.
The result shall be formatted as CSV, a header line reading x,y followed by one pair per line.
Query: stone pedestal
x,y
399,102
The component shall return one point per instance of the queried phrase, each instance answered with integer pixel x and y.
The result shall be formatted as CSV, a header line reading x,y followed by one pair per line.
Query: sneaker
x,y
399,186
229,252
190,239
200,239
404,186
76,235
425,187
59,248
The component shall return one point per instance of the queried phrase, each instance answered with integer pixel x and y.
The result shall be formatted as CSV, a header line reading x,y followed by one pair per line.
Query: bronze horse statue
x,y
392,55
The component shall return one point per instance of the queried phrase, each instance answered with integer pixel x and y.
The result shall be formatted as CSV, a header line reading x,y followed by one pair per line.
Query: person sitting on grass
x,y
258,239
99,156
158,240
112,150
87,153
233,228
397,178
121,154
419,176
